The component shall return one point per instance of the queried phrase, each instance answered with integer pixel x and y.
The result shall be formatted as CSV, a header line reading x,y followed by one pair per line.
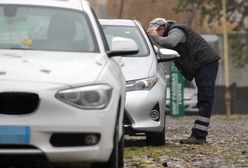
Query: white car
x,y
146,83
62,94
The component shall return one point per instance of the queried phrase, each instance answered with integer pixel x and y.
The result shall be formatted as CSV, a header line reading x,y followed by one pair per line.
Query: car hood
x,y
136,67
47,66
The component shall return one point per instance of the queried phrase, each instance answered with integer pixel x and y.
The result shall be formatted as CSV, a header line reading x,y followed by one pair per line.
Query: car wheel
x,y
156,138
117,155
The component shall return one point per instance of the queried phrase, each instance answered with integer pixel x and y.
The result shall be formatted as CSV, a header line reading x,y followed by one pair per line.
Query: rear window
x,y
43,28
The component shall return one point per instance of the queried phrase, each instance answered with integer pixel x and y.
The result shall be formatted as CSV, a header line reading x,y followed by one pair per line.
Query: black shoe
x,y
193,140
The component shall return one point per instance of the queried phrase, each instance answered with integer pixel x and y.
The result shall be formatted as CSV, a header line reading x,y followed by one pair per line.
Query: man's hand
x,y
152,31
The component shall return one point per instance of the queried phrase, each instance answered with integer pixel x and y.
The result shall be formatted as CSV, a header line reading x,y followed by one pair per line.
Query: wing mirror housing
x,y
121,46
166,55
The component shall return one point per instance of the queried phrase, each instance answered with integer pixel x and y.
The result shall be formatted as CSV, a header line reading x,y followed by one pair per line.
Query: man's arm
x,y
174,37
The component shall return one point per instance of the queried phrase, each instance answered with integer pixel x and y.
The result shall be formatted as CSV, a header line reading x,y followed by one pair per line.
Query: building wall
x,y
146,10
100,7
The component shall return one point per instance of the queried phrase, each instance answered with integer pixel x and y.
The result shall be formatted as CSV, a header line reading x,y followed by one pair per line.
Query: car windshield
x,y
44,28
127,32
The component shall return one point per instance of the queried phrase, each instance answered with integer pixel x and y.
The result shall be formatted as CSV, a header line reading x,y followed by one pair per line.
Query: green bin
x,y
176,91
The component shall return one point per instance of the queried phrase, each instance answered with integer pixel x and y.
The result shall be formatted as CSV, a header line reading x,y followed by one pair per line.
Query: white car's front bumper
x,y
52,117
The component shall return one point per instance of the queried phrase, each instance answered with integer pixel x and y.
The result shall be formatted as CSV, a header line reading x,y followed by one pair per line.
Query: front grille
x,y
15,103
9,146
23,160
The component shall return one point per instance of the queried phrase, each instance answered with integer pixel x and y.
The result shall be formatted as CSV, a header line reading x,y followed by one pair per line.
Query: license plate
x,y
14,134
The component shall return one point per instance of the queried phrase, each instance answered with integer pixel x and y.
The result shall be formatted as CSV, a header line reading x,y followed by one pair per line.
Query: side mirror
x,y
165,55
121,46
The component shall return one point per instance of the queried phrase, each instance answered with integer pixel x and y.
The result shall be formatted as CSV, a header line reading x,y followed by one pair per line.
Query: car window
x,y
127,32
43,28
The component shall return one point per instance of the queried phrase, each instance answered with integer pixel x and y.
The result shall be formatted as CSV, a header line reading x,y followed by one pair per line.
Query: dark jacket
x,y
194,51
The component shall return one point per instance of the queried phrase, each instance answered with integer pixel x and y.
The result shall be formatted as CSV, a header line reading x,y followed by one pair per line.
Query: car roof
x,y
71,4
118,22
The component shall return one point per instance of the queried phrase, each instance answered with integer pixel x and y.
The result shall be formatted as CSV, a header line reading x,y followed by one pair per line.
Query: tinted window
x,y
128,32
40,28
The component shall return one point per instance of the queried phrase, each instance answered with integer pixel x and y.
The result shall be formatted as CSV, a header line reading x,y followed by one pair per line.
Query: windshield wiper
x,y
19,48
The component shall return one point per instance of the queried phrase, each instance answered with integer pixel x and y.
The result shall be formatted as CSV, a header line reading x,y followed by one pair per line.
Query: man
x,y
197,60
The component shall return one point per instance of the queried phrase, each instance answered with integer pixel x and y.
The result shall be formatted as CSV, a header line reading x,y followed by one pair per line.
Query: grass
x,y
188,153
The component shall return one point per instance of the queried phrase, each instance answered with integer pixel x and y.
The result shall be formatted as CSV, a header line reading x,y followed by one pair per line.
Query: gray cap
x,y
157,22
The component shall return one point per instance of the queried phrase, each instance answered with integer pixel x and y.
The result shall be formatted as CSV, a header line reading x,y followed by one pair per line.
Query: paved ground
x,y
227,146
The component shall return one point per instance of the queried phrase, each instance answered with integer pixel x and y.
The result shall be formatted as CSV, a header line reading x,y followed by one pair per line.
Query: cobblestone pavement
x,y
227,146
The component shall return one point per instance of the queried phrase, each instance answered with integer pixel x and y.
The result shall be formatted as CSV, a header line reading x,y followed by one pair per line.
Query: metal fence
x,y
239,97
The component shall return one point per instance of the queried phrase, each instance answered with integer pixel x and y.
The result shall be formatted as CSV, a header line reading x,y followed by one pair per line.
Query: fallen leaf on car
x,y
27,42
45,71
2,72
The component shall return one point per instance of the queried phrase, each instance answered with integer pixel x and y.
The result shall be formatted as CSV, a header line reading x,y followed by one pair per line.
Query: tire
x,y
116,159
156,138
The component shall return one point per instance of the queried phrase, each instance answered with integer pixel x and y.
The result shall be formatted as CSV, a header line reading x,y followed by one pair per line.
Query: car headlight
x,y
141,84
87,97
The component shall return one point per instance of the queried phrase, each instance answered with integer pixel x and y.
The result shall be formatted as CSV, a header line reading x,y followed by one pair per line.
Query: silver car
x,y
62,93
145,82
189,97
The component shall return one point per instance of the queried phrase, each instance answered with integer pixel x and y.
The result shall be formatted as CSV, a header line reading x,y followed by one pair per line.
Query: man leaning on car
x,y
198,60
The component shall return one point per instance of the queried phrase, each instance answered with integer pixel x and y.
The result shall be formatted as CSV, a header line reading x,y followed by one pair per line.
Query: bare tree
x,y
211,10
121,8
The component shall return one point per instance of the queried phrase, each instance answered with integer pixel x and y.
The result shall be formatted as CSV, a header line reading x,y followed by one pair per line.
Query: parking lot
x,y
227,146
